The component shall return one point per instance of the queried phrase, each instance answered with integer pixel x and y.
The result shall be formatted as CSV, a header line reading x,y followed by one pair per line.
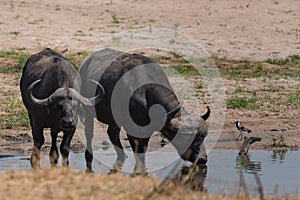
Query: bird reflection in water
x,y
245,165
193,177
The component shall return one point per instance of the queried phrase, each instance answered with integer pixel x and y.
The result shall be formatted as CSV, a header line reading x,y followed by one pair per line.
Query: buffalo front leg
x,y
89,133
53,155
139,147
38,141
65,147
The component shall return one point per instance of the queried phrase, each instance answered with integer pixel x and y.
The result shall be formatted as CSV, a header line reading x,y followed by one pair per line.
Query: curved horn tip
x,y
33,84
206,115
181,103
34,100
99,85
97,99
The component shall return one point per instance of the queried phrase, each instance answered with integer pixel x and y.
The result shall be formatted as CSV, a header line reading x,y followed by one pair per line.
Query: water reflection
x,y
243,162
225,173
6,156
192,177
279,155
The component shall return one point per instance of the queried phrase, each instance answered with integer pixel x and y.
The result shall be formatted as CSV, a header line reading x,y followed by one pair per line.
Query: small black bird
x,y
241,129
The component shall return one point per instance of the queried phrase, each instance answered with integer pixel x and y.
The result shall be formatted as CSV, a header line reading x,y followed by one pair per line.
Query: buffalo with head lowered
x,y
139,98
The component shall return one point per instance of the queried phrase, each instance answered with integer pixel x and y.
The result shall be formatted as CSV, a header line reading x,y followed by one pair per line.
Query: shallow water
x,y
278,171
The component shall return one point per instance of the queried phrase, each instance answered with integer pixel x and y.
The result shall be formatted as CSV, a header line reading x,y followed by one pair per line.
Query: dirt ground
x,y
248,29
232,29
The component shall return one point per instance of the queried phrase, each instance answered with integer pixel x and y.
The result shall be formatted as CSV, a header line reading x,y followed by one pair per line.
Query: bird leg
x,y
240,136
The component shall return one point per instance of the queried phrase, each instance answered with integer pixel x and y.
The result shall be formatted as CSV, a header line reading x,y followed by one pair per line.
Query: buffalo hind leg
x,y
114,136
65,147
89,133
139,147
53,155
38,138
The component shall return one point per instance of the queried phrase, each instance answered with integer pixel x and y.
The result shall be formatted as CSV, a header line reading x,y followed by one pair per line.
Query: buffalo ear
x,y
174,124
173,112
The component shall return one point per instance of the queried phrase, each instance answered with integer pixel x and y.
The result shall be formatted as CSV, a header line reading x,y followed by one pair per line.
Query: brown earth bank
x,y
273,116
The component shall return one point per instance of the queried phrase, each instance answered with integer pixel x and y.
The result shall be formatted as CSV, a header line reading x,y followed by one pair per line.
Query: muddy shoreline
x,y
20,142
234,30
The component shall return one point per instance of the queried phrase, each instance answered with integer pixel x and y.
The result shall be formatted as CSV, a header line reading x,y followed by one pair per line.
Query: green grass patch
x,y
16,113
295,74
21,59
233,72
281,67
243,103
240,90
78,58
185,70
278,141
279,61
245,65
294,99
272,89
199,86
157,58
177,63
7,54
14,33
17,58
244,69
292,61
295,59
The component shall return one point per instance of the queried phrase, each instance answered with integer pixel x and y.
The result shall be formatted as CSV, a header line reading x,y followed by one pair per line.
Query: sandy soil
x,y
251,30
248,29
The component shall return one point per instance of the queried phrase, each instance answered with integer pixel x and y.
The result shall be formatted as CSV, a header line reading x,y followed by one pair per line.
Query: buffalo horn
x,y
46,101
206,115
94,100
62,92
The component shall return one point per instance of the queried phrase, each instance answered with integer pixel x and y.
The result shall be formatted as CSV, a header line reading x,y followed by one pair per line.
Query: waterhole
x,y
225,173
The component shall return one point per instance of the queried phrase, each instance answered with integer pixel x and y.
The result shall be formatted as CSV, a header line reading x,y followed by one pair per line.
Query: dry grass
x,y
61,183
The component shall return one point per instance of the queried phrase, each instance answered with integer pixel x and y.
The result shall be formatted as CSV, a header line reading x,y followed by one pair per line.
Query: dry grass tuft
x,y
61,183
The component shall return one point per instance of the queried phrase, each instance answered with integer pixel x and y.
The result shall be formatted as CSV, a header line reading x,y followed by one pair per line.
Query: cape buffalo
x,y
50,88
136,90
